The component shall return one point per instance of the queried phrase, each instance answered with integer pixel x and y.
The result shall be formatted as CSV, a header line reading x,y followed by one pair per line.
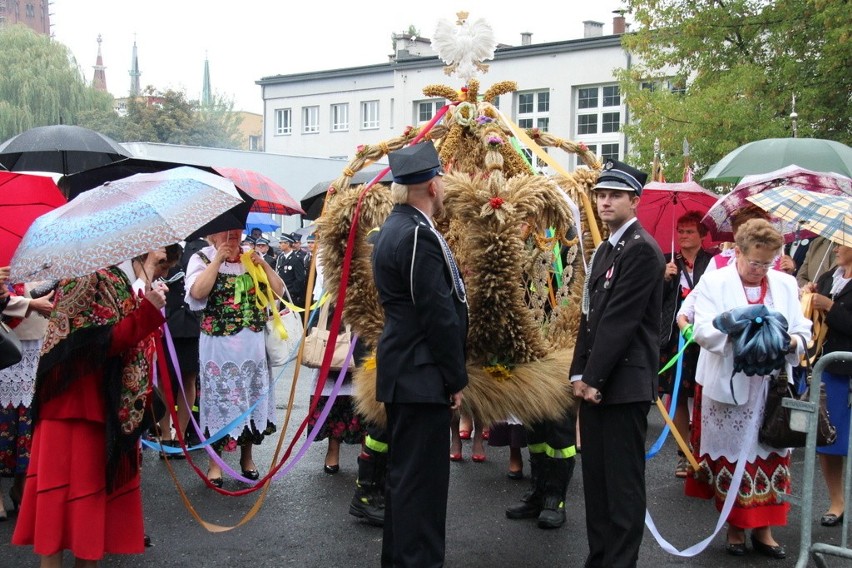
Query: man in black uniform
x,y
290,266
261,245
420,359
614,370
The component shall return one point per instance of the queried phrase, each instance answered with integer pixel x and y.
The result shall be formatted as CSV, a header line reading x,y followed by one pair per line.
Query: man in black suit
x,y
290,266
420,359
614,371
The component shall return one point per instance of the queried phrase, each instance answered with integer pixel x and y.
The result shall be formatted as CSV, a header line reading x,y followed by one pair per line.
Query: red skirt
x,y
759,502
65,504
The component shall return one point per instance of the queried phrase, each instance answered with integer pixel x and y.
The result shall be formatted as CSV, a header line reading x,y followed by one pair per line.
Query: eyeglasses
x,y
754,265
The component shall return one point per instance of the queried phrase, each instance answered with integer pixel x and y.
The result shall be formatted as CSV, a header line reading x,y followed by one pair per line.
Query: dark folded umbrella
x,y
60,148
313,201
77,183
759,338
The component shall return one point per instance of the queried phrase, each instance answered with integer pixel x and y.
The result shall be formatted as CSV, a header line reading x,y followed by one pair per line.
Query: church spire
x,y
135,73
99,78
206,91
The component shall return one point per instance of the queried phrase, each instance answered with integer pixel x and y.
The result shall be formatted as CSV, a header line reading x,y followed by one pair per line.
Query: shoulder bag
x,y
317,339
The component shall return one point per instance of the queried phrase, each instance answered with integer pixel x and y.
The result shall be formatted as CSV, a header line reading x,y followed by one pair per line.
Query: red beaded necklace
x,y
764,286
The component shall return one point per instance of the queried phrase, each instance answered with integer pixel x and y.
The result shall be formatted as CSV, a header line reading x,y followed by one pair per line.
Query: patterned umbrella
x,y
269,197
119,220
662,204
718,218
827,215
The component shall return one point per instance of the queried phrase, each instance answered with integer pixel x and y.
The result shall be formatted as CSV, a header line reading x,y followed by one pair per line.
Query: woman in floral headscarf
x,y
92,402
234,373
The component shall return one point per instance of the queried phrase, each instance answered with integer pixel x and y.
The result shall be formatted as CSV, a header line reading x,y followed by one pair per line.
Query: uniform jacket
x,y
722,290
291,268
421,353
617,350
839,320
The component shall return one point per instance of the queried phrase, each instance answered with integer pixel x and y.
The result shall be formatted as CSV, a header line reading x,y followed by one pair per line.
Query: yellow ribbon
x,y
521,135
264,296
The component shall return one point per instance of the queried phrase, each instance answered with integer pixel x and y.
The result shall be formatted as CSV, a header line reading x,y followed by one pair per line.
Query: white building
x,y
565,87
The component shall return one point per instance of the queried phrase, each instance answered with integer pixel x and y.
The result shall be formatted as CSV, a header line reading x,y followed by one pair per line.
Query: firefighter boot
x,y
530,505
557,474
368,503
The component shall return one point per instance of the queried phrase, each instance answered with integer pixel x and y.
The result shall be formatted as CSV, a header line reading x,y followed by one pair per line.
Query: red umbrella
x,y
269,196
23,198
662,204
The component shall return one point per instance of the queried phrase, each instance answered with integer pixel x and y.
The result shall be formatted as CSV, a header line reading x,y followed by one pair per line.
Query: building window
x,y
599,119
254,143
369,115
587,98
283,121
610,121
425,110
340,117
587,124
534,160
310,120
609,152
533,110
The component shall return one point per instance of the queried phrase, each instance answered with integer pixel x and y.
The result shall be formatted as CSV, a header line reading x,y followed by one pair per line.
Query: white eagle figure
x,y
464,46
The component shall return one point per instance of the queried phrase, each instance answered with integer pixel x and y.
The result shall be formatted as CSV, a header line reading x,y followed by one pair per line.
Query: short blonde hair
x,y
759,233
399,193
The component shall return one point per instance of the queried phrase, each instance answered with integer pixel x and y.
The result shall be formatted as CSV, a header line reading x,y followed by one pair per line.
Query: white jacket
x,y
719,291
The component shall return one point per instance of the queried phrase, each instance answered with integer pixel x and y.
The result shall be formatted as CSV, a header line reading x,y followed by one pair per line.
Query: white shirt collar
x,y
616,236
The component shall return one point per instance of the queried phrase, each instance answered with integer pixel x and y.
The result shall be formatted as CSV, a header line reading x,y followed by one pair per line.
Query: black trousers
x,y
417,483
613,462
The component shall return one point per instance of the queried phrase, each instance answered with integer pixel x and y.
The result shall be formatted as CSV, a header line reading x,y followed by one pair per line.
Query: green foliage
x,y
41,83
737,64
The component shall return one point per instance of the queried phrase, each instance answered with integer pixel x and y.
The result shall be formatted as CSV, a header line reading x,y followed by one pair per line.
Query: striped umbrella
x,y
827,215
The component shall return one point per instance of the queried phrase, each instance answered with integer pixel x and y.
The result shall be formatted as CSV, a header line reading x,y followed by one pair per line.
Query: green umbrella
x,y
764,156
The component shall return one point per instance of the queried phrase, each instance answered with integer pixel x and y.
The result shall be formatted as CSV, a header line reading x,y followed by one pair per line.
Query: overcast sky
x,y
245,41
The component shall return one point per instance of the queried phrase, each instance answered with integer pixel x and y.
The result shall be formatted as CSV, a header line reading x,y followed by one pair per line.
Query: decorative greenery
x,y
724,73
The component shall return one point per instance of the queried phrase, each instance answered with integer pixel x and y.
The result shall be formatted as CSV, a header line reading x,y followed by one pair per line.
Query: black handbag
x,y
10,347
775,430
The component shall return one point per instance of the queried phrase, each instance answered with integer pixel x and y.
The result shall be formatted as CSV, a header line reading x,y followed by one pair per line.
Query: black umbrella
x,y
232,219
77,183
60,148
313,200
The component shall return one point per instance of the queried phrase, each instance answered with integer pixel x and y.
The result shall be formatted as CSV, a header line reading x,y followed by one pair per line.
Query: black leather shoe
x,y
776,552
147,541
251,474
331,469
215,481
831,520
524,510
736,549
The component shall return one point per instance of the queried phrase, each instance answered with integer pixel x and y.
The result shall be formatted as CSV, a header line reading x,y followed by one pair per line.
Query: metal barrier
x,y
803,419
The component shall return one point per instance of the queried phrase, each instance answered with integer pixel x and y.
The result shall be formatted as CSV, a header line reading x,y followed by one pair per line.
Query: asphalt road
x,y
304,521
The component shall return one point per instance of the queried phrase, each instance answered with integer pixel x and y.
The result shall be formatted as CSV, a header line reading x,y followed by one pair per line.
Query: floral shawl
x,y
77,342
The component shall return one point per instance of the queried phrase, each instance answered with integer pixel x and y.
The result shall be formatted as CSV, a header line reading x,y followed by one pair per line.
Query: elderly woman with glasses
x,y
731,403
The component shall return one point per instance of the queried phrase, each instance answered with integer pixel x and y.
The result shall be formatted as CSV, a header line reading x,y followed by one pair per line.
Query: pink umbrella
x,y
718,218
662,204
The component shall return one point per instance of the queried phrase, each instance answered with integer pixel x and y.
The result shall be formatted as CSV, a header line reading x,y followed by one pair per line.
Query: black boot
x,y
557,476
530,505
369,500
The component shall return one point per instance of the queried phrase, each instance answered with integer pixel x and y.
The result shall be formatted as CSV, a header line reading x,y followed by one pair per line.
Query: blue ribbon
x,y
655,448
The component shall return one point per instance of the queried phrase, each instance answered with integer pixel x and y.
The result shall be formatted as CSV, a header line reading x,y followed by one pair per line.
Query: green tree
x,y
172,118
722,73
41,83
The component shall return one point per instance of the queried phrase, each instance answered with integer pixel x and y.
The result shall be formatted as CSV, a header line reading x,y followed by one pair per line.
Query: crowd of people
x,y
73,409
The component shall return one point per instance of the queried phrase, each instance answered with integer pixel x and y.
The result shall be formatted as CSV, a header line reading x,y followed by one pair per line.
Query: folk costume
x,y
420,363
234,372
92,403
617,353
17,386
730,402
